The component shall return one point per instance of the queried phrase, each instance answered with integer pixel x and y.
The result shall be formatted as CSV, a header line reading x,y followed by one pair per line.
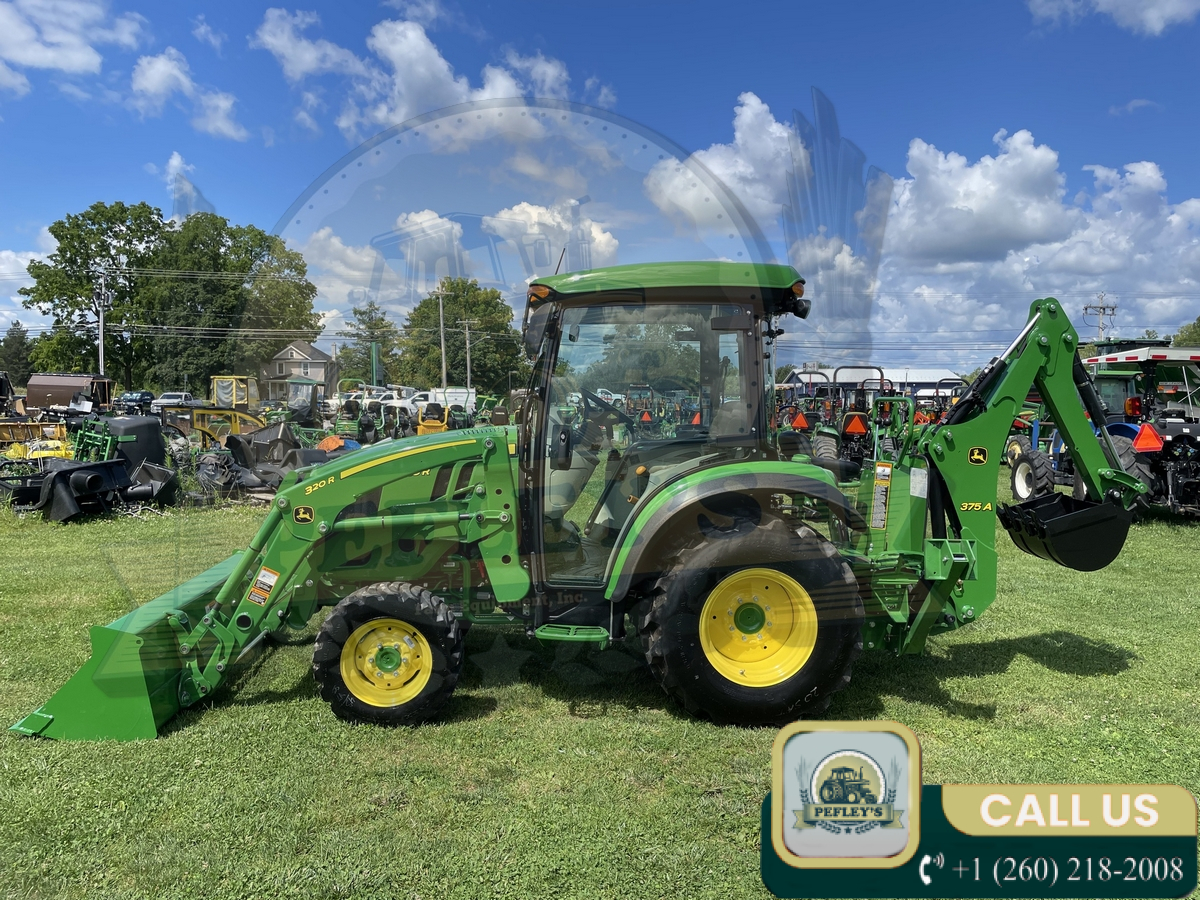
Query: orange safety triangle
x,y
800,421
646,416
1147,439
696,419
856,425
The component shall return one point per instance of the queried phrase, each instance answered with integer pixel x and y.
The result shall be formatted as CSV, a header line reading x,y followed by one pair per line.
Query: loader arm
x,y
431,508
964,453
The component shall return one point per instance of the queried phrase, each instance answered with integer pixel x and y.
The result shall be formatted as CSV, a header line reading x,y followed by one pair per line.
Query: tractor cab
x,y
587,478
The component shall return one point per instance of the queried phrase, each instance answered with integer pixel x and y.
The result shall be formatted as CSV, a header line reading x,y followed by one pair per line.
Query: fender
x,y
1122,429
679,505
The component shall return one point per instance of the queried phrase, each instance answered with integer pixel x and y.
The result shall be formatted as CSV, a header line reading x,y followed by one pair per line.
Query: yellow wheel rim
x,y
386,662
758,627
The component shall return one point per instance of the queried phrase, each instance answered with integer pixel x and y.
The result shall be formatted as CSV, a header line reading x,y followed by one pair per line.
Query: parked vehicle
x,y
171,398
136,402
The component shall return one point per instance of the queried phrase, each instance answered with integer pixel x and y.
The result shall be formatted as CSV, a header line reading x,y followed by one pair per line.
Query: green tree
x,y
1188,335
496,349
644,354
14,353
370,326
63,349
242,284
102,239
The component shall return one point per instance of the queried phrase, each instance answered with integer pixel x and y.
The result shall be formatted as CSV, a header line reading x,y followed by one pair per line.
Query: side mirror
x,y
562,447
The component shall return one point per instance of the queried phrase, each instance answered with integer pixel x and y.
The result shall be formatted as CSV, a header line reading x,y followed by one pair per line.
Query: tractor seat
x,y
842,469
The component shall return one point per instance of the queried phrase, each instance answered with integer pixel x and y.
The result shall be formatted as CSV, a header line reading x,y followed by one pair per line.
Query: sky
x,y
1034,146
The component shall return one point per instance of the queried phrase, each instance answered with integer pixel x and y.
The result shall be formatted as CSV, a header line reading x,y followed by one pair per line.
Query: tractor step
x,y
583,634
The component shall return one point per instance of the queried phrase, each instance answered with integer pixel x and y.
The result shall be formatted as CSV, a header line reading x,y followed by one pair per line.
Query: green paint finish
x,y
387,659
583,634
695,480
673,275
131,684
749,618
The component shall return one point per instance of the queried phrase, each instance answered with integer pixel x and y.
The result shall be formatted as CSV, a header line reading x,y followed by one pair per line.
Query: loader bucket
x,y
1078,534
130,686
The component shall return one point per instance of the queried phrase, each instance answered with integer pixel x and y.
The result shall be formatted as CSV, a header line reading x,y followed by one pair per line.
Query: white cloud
x,y
546,77
405,75
1133,106
423,12
952,209
1149,17
13,264
342,273
157,79
13,81
969,245
215,117
282,34
204,33
59,35
175,166
754,167
599,94
560,224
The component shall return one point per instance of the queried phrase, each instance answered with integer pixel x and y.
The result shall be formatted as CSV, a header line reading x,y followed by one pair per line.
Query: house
x,y
294,369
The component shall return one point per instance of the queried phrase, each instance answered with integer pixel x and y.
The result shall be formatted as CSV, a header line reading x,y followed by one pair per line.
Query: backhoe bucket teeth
x,y
1078,534
130,686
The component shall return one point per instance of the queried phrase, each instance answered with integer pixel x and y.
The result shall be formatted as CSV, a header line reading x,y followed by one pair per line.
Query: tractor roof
x,y
673,275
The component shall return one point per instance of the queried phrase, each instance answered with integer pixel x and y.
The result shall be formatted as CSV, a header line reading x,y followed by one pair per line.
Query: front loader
x,y
752,577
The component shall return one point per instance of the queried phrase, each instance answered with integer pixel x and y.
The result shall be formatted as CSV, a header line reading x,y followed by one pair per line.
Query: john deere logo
x,y
977,456
302,515
847,793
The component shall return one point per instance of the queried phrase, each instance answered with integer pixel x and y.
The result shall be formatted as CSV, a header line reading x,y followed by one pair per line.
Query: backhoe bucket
x,y
130,686
1078,534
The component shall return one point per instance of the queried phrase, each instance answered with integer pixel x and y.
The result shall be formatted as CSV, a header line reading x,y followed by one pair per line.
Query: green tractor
x,y
846,785
752,580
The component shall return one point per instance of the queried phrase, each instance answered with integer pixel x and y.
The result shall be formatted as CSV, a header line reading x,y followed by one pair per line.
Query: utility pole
x,y
1101,310
101,302
466,324
442,330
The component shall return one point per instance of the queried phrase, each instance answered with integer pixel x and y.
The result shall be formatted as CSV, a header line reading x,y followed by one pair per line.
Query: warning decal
x,y
264,583
879,501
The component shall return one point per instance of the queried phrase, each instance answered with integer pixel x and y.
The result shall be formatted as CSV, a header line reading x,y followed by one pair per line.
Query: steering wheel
x,y
590,400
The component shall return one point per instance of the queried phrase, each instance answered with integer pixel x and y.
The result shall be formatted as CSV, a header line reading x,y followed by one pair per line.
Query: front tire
x,y
755,626
389,654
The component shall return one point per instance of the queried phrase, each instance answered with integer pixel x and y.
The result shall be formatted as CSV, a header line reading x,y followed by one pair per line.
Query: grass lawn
x,y
555,772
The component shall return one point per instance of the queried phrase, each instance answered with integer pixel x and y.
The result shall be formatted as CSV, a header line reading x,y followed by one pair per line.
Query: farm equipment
x,y
849,435
1152,419
846,785
753,581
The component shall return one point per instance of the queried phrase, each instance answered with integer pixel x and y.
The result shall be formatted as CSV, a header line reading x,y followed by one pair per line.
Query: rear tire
x,y
1017,444
1032,476
824,446
389,654
1133,463
809,639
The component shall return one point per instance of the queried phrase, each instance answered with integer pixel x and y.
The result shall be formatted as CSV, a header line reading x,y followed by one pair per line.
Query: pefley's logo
x,y
848,793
